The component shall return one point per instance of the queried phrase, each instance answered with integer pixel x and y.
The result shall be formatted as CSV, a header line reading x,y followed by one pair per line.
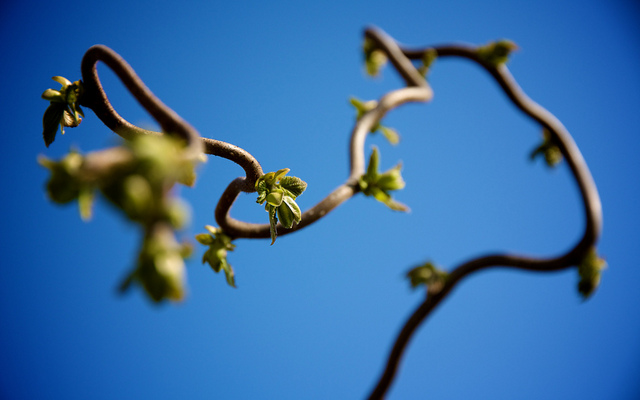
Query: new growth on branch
x,y
138,177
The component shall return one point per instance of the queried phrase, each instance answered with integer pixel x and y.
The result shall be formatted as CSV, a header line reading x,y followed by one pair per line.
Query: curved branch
x,y
418,90
586,186
95,98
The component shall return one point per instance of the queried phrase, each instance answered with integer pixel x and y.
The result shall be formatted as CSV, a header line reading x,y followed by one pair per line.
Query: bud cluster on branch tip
x,y
378,185
374,58
589,270
549,149
364,107
428,274
279,192
160,269
427,60
496,53
216,254
138,179
64,109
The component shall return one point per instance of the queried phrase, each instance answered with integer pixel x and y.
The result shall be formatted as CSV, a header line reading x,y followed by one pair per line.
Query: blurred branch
x,y
577,165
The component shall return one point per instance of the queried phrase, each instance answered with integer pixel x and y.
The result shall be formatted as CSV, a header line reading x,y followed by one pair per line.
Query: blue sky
x,y
314,315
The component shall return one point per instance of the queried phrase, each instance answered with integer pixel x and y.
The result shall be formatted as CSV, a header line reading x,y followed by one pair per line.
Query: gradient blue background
x,y
314,315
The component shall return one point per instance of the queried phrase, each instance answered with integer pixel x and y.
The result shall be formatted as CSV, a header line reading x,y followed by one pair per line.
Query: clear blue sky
x,y
314,315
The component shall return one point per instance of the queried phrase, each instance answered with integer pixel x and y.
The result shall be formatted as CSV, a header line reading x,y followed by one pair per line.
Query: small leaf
x,y
204,238
496,53
391,179
85,202
52,117
280,174
294,185
372,169
590,269
428,58
52,95
427,274
390,134
374,58
62,80
229,274
273,222
549,149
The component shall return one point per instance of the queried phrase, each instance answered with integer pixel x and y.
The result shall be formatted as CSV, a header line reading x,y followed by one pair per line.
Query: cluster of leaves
x,y
548,149
364,107
427,274
64,109
280,192
379,185
138,179
496,53
216,255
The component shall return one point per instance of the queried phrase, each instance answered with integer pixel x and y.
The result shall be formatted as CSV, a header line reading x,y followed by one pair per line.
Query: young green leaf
x,y
496,53
589,270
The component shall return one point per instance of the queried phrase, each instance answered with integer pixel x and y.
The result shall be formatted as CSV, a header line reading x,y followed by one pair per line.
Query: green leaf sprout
x,y
427,60
589,270
549,149
378,185
364,107
496,53
160,269
216,255
64,109
137,179
374,59
427,274
279,192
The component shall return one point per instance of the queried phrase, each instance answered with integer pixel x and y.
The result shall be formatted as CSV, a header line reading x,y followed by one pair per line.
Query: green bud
x,y
216,254
374,58
63,110
160,270
279,191
379,185
391,180
428,274
496,53
589,270
428,58
548,149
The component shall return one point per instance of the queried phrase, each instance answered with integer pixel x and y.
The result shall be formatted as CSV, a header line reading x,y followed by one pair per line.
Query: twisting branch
x,y
418,90
577,165
76,177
